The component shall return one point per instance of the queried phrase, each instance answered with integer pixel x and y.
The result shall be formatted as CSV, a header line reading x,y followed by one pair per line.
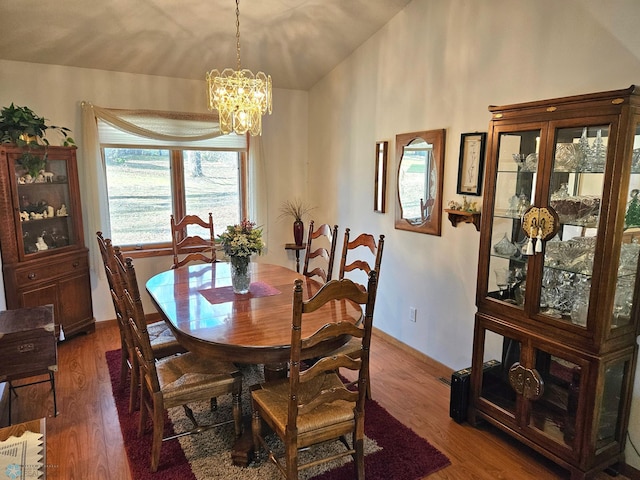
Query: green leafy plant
x,y
33,163
294,208
22,126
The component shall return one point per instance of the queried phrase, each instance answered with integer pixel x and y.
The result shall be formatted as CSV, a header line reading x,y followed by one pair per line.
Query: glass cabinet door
x,y
533,388
575,193
630,245
46,218
516,177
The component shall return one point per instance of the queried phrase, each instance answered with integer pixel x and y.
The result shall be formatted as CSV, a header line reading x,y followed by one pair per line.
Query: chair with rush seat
x,y
315,406
163,343
175,380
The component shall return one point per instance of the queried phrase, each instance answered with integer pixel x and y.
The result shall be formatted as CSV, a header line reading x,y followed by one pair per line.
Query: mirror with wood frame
x,y
420,157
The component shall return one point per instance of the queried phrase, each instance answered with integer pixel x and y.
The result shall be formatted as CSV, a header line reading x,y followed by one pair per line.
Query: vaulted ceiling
x,y
297,42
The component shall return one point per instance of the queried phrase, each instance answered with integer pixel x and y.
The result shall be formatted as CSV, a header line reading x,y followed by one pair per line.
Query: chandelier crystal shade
x,y
240,97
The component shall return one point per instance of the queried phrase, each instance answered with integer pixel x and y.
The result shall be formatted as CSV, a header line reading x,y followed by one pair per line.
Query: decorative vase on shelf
x,y
298,232
240,274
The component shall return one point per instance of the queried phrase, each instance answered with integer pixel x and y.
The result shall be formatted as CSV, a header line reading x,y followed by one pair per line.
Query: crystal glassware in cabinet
x,y
563,339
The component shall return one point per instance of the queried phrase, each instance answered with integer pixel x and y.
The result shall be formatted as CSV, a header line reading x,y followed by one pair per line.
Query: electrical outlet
x,y
413,312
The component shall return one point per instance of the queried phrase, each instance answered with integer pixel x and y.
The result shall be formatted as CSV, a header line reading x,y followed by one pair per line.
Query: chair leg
x,y
237,414
256,432
134,386
124,365
53,388
292,459
158,429
144,405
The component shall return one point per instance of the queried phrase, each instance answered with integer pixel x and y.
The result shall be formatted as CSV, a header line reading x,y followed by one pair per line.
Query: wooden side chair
x,y
176,380
191,248
425,208
163,343
326,252
363,263
315,405
360,263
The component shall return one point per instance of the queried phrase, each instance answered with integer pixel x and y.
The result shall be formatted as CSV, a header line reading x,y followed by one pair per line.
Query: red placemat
x,y
225,294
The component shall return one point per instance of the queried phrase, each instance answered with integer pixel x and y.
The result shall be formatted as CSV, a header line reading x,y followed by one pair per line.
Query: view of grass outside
x,y
140,198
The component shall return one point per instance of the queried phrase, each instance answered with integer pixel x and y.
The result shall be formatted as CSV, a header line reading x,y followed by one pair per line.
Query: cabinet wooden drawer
x,y
53,270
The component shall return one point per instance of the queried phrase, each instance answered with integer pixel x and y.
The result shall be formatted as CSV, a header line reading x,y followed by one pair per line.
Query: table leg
x,y
275,371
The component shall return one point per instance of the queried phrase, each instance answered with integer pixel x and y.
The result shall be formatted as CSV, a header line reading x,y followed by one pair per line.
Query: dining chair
x,y
363,262
163,343
368,257
190,247
327,235
315,405
175,380
425,208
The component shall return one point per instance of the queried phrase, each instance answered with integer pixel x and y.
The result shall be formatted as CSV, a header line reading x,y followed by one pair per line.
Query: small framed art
x,y
380,183
471,166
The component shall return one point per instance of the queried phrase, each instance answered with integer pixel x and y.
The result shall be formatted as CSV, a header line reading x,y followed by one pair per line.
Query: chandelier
x,y
239,96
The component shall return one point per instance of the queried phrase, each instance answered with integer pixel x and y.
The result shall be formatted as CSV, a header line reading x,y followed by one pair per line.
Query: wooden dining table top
x,y
198,304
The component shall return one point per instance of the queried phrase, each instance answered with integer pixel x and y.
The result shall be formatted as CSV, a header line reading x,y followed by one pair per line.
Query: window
x,y
158,164
145,186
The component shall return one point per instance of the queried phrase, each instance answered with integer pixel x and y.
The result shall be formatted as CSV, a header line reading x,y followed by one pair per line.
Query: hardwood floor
x,y
84,440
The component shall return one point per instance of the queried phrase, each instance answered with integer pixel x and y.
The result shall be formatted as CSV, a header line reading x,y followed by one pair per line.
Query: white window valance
x,y
157,129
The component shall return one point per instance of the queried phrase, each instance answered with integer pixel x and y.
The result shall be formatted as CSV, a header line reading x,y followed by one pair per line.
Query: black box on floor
x,y
460,391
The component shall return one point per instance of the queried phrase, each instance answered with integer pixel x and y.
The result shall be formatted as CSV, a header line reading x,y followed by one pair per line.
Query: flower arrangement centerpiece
x,y
239,242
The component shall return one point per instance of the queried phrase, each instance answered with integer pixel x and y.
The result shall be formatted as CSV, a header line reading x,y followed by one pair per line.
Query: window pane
x,y
212,184
139,190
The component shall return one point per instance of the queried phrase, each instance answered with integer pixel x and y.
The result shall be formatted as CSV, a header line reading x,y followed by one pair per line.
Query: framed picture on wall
x,y
471,164
380,182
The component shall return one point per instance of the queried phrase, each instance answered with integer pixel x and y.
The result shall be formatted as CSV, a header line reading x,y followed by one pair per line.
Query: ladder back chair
x,y
349,247
163,343
191,248
314,405
326,251
362,267
176,380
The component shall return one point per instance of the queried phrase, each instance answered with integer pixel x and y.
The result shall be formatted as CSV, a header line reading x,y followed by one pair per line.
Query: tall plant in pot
x,y
296,209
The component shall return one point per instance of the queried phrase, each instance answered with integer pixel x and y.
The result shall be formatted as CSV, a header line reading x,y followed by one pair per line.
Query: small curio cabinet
x,y
557,291
44,259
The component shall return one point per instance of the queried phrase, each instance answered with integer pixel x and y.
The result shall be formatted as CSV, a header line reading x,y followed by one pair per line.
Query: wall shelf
x,y
461,216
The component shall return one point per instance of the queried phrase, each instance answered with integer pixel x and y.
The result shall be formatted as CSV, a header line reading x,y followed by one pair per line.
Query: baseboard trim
x,y
439,369
629,471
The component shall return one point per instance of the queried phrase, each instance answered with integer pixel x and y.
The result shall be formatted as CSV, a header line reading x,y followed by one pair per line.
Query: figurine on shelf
x,y
632,217
453,205
41,244
24,216
48,176
62,211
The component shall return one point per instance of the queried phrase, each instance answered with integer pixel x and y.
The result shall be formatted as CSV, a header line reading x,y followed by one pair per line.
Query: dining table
x,y
198,304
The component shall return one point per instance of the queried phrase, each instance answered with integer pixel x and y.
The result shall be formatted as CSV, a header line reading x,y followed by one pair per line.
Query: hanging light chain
x,y
238,33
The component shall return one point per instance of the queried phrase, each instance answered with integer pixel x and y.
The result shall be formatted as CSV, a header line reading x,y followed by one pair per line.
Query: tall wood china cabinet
x,y
44,260
557,291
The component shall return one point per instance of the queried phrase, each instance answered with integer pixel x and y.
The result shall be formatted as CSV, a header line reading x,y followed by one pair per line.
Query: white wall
x,y
439,64
56,92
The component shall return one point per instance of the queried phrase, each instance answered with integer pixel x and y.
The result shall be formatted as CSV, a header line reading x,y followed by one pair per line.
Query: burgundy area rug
x,y
397,452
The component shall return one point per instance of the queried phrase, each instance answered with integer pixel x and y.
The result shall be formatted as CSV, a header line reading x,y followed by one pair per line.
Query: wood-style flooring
x,y
84,441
